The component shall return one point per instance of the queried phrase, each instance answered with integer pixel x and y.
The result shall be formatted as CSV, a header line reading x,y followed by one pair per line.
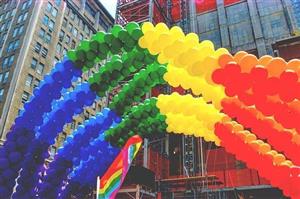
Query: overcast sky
x,y
110,5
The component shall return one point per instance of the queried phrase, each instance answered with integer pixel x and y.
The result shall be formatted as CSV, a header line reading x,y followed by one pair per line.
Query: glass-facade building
x,y
251,25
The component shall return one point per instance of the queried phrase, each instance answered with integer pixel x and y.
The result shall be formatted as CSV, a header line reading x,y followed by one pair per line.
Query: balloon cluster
x,y
85,174
259,155
22,132
118,69
264,128
184,54
190,116
70,154
91,51
268,83
53,124
137,87
139,121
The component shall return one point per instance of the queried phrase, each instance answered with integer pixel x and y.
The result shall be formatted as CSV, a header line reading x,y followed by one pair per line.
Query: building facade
x,y
34,35
251,25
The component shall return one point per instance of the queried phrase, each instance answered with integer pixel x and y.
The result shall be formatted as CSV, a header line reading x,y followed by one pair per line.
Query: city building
x,y
187,167
34,35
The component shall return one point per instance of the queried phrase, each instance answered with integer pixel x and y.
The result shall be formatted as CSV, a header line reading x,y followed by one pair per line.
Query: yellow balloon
x,y
147,26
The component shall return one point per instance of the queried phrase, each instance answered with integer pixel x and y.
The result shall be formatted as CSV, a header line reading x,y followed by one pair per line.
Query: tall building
x,y
34,35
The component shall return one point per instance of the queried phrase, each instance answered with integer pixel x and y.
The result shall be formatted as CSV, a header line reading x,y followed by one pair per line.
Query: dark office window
x,y
28,81
1,94
38,47
5,78
48,38
40,68
49,7
54,12
46,20
42,33
44,52
64,24
25,97
34,63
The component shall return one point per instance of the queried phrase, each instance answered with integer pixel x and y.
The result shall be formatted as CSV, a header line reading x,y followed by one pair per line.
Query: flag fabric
x,y
110,183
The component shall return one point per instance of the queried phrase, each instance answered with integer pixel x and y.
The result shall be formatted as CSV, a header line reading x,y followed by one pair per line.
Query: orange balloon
x,y
296,138
265,60
225,59
237,127
250,137
239,56
278,159
226,118
264,148
276,67
242,134
254,145
248,62
287,163
293,64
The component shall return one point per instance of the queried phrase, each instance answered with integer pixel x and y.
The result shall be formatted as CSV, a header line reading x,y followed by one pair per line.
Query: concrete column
x,y
146,142
193,15
257,28
223,24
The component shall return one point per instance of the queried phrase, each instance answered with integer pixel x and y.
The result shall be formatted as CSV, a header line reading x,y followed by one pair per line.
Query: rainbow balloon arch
x,y
248,105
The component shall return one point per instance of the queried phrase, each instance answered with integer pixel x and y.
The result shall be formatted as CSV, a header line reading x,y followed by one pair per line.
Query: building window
x,y
44,52
81,37
65,51
7,62
38,47
42,33
73,44
49,7
48,38
25,97
1,17
64,24
51,24
1,76
68,38
1,94
6,75
56,60
11,60
24,5
22,17
18,31
13,45
70,27
46,20
75,31
36,83
61,35
57,2
34,63
28,81
40,68
54,12
72,16
58,48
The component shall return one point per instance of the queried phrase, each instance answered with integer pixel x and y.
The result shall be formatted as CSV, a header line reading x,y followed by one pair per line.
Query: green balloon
x,y
116,30
99,37
131,26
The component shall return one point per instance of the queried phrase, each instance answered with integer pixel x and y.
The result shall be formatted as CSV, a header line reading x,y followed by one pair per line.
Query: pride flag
x,y
111,181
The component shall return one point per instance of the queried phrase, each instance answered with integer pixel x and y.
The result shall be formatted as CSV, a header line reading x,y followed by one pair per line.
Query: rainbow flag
x,y
110,183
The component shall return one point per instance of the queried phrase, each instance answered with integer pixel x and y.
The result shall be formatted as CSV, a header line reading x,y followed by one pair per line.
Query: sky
x,y
110,5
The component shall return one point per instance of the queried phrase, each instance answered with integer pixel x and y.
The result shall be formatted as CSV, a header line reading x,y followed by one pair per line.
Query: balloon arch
x,y
248,105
